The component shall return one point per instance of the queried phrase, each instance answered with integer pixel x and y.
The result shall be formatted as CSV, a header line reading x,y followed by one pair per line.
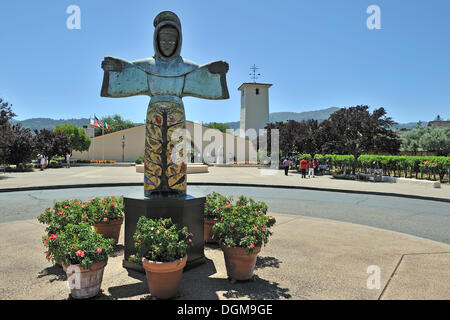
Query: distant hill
x,y
50,124
319,115
408,126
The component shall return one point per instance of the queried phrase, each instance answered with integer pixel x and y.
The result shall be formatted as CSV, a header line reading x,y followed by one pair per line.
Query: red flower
x,y
112,204
255,228
77,202
263,229
85,217
82,206
252,245
99,250
53,236
79,253
106,211
105,219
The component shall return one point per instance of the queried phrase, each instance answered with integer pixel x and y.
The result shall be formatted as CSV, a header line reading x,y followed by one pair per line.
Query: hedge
x,y
412,166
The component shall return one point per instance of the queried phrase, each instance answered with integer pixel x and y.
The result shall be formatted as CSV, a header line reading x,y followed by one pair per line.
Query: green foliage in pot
x,y
105,210
244,224
76,211
160,240
77,244
64,213
214,205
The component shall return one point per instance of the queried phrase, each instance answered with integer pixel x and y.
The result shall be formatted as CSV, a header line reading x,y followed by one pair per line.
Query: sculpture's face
x,y
168,41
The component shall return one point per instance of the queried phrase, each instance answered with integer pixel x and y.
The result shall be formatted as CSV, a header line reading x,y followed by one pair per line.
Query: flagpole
x,y
103,140
93,145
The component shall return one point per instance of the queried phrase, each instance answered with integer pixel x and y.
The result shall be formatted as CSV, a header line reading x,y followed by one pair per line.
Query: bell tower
x,y
254,106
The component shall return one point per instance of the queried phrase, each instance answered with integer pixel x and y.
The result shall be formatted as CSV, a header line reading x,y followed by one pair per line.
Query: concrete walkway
x,y
307,258
250,175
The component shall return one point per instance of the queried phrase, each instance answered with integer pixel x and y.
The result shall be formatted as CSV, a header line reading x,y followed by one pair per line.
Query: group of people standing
x,y
43,161
304,165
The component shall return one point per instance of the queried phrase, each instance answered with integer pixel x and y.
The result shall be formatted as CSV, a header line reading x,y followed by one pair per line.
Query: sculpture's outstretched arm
x,y
208,81
123,79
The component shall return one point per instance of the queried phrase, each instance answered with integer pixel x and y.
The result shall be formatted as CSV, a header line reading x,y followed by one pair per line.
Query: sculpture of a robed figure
x,y
166,78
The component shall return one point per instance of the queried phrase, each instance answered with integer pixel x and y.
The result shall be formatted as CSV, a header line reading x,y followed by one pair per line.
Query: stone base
x,y
187,211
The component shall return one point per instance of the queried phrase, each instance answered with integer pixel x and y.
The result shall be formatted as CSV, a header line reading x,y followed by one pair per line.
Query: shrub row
x,y
410,166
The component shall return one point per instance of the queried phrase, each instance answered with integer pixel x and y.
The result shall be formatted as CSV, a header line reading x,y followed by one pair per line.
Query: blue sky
x,y
316,53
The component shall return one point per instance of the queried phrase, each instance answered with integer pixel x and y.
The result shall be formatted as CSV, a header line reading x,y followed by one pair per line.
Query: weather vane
x,y
254,75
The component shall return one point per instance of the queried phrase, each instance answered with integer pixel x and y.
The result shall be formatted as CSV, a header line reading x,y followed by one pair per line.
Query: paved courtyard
x,y
307,258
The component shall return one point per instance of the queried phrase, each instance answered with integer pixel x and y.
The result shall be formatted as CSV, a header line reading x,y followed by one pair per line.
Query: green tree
x,y
20,146
115,123
435,139
78,139
410,140
6,133
51,144
219,126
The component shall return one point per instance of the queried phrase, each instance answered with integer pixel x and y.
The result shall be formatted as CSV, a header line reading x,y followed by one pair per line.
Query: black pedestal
x,y
186,211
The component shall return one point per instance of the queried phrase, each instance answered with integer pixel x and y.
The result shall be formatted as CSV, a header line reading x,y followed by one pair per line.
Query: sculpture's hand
x,y
218,67
111,64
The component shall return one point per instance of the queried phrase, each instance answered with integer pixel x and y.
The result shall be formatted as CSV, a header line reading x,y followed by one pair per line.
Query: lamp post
x,y
123,148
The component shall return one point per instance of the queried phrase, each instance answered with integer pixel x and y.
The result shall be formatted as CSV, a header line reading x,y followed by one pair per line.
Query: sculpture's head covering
x,y
167,19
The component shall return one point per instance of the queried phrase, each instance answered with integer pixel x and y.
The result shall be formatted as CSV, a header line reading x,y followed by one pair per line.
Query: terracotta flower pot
x,y
109,229
85,283
164,278
208,231
240,266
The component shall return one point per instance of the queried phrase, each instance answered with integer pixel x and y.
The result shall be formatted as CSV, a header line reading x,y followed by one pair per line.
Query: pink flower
x,y
105,219
99,250
82,206
233,224
85,217
190,240
252,245
263,229
89,201
66,207
106,211
79,253
244,207
112,204
255,228
77,202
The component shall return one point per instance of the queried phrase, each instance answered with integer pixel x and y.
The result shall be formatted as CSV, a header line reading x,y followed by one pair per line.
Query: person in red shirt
x,y
311,168
303,164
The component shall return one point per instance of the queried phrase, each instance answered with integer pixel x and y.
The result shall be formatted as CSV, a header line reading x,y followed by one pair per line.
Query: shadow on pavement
x,y
118,251
56,271
256,289
267,262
